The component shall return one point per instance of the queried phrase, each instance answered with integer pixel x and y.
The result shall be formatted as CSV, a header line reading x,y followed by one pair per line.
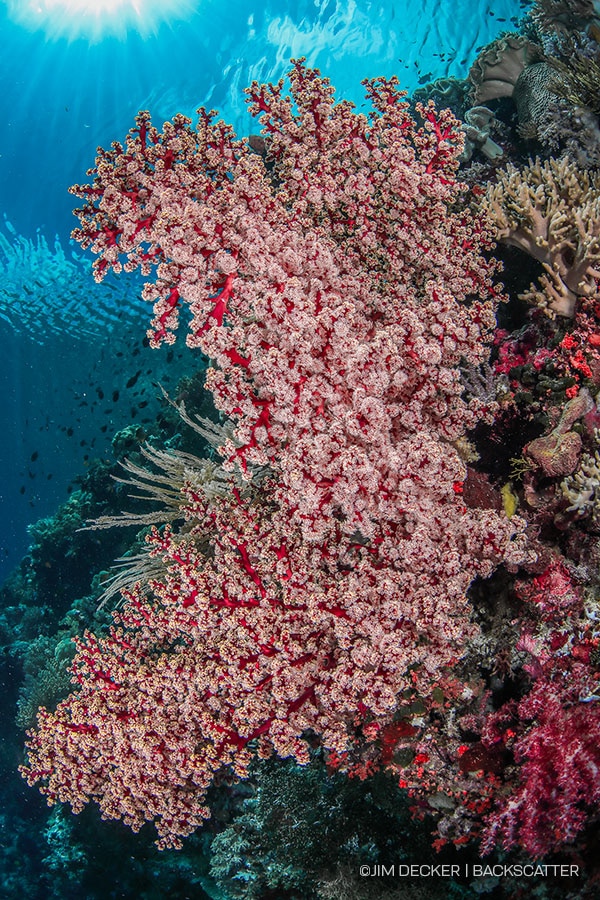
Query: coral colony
x,y
310,588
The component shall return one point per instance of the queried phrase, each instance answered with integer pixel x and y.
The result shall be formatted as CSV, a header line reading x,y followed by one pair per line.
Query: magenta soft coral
x,y
558,791
336,292
554,730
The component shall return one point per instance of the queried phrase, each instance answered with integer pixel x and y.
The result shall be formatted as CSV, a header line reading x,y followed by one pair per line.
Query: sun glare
x,y
95,19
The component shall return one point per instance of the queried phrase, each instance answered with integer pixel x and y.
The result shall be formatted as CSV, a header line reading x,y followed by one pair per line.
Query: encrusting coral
x,y
558,452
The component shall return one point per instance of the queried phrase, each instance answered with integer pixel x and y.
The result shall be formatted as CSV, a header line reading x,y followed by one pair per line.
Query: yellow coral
x,y
510,501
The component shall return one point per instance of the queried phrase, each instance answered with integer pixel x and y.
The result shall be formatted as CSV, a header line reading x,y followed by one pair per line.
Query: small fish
x,y
133,379
34,456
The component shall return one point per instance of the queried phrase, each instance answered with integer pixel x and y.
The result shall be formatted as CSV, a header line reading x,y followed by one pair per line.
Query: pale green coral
x,y
551,210
582,489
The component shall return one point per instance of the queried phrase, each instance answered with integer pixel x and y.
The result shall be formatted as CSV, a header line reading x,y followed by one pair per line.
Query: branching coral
x,y
582,489
551,210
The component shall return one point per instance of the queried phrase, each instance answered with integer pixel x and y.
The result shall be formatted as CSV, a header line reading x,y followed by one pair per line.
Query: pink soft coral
x,y
336,293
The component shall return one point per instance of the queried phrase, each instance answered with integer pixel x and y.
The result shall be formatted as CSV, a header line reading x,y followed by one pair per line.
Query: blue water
x,y
62,95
